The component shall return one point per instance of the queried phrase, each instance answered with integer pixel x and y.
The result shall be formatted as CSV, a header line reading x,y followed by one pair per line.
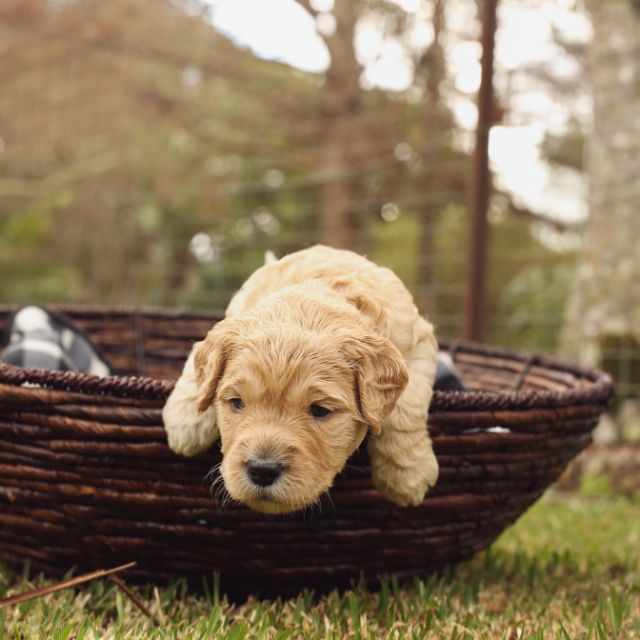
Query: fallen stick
x,y
44,591
136,601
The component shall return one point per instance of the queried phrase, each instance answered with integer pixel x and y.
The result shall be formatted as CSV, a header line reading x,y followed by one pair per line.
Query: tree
x,y
124,133
355,127
603,312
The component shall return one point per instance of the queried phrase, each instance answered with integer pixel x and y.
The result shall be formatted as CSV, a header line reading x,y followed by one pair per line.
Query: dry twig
x,y
136,601
53,588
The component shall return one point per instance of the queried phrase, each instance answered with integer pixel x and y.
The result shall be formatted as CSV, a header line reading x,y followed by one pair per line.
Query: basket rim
x,y
598,392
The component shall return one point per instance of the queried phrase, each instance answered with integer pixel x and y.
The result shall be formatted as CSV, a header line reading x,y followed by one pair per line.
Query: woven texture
x,y
87,479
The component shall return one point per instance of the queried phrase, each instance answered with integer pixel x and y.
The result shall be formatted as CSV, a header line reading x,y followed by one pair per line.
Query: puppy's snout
x,y
263,472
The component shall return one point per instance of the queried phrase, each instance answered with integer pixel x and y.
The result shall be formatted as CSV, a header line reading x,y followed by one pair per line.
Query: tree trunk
x,y
605,300
433,65
340,223
340,212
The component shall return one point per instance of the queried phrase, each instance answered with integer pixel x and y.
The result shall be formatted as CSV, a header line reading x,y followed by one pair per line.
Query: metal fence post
x,y
480,190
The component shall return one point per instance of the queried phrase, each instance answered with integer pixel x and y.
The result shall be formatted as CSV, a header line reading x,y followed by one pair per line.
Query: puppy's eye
x,y
318,411
237,403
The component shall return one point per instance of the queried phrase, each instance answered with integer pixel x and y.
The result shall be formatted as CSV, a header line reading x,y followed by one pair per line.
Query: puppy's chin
x,y
273,501
268,505
285,496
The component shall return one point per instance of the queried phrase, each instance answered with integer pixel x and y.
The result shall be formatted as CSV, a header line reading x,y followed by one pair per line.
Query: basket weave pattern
x,y
87,480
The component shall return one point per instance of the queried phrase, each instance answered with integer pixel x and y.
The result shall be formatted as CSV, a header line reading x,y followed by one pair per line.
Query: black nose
x,y
264,472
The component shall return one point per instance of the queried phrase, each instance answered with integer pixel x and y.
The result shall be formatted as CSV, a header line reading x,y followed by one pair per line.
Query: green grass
x,y
570,568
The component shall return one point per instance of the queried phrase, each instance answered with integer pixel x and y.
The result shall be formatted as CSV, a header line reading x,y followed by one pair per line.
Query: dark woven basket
x,y
87,480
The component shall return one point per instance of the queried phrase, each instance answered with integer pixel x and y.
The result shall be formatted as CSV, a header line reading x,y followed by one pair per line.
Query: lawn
x,y
570,568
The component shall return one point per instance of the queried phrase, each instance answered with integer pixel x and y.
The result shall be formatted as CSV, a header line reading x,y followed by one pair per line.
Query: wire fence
x,y
134,171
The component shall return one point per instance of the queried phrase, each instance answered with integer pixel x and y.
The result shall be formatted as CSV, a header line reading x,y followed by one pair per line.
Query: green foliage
x,y
527,285
533,302
396,245
133,153
567,150
595,485
24,254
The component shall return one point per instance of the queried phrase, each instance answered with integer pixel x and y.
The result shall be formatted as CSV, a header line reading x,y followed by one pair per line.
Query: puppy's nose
x,y
263,472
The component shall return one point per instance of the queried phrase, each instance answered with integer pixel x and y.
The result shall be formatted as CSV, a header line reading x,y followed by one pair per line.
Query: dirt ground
x,y
619,464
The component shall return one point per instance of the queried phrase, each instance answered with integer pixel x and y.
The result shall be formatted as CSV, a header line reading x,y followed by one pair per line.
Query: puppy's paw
x,y
189,439
188,431
406,486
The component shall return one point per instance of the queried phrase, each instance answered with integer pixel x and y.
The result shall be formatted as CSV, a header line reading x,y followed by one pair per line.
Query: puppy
x,y
316,349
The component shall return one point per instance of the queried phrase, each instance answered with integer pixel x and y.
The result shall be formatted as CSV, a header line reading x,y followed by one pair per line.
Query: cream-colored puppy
x,y
316,349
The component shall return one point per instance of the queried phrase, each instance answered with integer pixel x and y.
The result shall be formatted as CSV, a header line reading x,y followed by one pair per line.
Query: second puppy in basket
x,y
316,349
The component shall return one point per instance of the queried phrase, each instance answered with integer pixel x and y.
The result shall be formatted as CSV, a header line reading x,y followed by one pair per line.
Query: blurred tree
x,y
360,124
439,180
605,298
565,148
340,105
126,124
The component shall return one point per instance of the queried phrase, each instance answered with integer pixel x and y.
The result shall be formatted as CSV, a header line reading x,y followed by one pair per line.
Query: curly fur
x,y
320,326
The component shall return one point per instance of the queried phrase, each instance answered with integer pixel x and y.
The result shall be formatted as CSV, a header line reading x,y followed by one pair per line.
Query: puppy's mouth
x,y
271,500
266,503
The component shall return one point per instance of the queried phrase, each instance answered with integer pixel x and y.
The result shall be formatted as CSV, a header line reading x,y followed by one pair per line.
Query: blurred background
x,y
152,150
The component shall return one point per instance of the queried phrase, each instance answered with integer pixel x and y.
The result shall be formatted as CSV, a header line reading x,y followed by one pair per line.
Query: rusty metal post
x,y
481,183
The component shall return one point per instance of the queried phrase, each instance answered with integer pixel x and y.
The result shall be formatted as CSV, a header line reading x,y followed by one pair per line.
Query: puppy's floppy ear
x,y
380,376
209,361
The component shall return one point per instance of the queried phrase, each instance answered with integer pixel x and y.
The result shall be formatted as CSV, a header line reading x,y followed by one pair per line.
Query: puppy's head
x,y
292,404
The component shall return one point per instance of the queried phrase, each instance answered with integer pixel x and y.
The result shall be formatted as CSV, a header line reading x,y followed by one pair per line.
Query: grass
x,y
570,568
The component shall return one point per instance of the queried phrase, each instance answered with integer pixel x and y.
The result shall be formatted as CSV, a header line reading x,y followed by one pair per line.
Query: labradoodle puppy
x,y
316,349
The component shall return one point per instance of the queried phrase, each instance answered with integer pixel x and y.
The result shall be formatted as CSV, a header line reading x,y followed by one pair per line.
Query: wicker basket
x,y
87,480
